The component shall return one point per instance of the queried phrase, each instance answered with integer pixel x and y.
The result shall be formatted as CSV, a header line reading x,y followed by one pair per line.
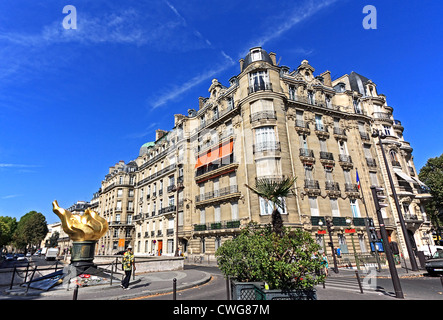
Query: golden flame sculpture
x,y
86,227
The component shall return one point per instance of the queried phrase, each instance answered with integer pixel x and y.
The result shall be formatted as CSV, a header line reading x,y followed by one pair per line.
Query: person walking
x,y
325,264
128,265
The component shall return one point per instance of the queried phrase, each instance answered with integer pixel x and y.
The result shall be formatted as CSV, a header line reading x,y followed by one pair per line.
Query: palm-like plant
x,y
274,191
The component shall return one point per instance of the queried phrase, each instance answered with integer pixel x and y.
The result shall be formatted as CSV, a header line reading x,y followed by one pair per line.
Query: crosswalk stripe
x,y
347,283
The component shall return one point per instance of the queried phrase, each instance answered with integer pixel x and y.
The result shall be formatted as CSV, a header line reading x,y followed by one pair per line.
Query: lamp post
x,y
414,266
351,232
329,226
320,223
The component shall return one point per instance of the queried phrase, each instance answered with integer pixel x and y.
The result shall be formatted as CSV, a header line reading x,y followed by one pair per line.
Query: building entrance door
x,y
160,247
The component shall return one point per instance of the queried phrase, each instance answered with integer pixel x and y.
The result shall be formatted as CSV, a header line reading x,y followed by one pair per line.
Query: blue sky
x,y
75,102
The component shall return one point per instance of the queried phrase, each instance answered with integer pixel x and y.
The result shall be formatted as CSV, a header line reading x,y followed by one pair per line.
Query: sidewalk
x,y
331,293
153,283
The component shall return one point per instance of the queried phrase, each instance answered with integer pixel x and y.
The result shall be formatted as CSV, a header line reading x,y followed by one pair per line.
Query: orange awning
x,y
214,154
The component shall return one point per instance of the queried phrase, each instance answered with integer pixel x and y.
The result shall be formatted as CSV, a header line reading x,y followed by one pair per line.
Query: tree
x,y
432,176
53,240
8,226
31,230
284,261
274,191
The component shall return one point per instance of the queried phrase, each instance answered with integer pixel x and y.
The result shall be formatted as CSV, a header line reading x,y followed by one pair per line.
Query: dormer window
x,y
256,55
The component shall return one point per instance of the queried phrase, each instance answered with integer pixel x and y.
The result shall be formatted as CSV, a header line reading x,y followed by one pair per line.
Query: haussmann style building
x,y
186,190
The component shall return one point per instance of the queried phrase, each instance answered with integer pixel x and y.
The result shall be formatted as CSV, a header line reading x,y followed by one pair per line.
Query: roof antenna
x,y
278,63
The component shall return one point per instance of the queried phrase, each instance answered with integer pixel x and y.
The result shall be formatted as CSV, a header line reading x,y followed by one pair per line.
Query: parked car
x,y
20,257
435,264
9,257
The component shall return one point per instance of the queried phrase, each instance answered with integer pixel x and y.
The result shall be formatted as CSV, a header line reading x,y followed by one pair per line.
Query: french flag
x,y
358,180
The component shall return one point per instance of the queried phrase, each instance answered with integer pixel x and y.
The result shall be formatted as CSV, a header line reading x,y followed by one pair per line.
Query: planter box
x,y
300,294
256,291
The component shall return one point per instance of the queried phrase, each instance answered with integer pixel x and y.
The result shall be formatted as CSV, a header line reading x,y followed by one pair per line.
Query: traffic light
x,y
379,198
372,233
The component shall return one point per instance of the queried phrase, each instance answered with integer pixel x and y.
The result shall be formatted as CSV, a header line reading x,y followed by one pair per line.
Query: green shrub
x,y
285,261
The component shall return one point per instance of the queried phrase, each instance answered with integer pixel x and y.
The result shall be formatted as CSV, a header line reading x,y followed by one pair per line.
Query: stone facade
x,y
186,190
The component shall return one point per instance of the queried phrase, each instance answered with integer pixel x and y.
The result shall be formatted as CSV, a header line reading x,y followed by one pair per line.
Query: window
x,y
256,55
217,214
354,208
373,178
202,216
308,172
259,80
292,92
387,130
311,97
266,207
314,206
318,122
334,207
119,193
267,168
342,147
234,210
264,138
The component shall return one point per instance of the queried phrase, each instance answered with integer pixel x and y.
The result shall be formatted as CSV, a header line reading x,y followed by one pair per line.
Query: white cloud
x,y
288,21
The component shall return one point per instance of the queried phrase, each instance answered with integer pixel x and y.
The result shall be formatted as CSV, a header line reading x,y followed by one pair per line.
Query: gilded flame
x,y
89,226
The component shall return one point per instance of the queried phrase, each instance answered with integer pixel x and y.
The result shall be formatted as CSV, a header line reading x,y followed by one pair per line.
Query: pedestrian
x,y
325,264
128,263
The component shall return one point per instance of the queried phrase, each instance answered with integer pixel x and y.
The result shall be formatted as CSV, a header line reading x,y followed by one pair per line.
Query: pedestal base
x,y
82,255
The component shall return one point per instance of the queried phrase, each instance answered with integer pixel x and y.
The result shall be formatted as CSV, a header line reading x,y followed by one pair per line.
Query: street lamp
x,y
414,266
329,226
351,232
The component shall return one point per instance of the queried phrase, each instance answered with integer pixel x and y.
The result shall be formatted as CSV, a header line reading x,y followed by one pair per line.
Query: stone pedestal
x,y
82,255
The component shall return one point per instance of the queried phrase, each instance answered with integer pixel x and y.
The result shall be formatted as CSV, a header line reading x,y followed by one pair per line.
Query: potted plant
x,y
272,256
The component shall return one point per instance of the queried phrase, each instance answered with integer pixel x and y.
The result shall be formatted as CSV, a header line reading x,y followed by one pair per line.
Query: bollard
x,y
32,277
12,279
359,282
26,275
441,280
112,272
74,297
174,289
228,296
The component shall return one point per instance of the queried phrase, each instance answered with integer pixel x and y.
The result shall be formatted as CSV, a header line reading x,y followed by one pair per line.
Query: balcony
x,y
167,209
397,125
345,160
321,130
312,187
267,146
216,195
339,133
382,115
260,87
301,126
332,186
326,157
371,163
364,135
307,155
263,115
218,226
351,188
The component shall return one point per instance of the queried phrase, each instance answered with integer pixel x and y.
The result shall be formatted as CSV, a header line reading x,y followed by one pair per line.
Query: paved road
x,y
215,289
